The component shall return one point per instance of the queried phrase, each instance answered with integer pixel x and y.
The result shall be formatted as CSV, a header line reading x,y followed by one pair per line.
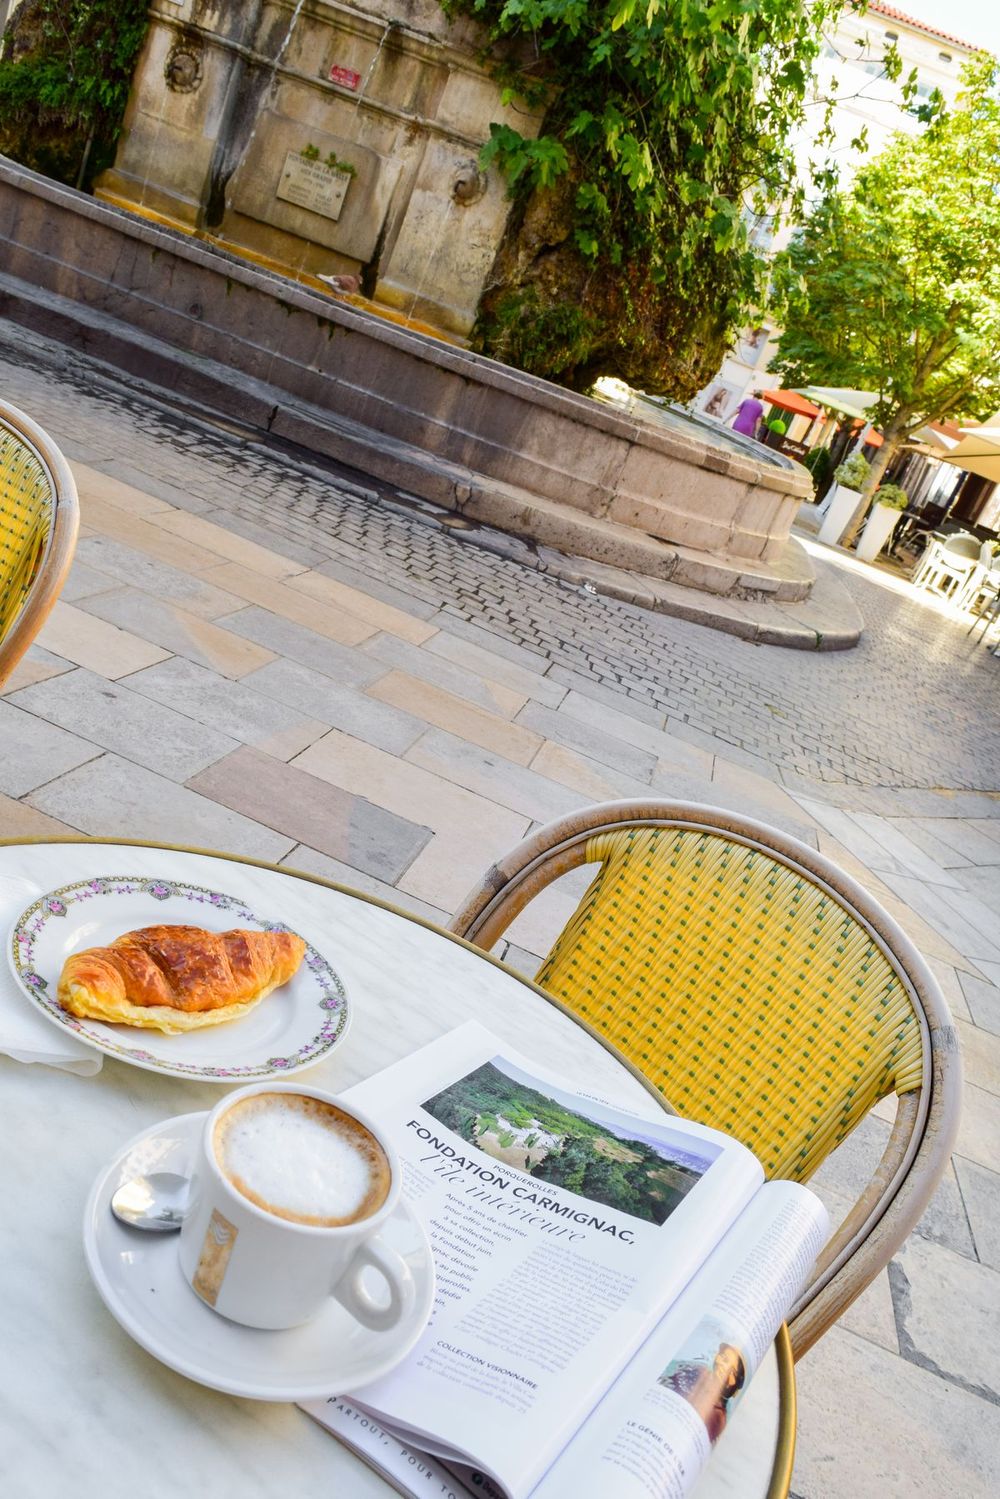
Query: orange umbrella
x,y
790,400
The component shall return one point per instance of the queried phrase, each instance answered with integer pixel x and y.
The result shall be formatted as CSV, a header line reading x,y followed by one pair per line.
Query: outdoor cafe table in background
x,y
82,1404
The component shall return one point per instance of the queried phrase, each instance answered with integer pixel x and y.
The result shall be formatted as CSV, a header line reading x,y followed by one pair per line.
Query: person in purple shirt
x,y
748,415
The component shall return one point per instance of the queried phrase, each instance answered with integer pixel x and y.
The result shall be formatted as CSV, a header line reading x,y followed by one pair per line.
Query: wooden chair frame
x,y
57,556
920,1144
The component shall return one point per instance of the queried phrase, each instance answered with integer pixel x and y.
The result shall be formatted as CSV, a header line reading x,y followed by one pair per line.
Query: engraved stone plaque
x,y
313,185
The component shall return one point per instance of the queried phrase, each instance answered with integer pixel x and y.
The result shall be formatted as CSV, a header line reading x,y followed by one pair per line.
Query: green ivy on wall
x,y
667,124
65,74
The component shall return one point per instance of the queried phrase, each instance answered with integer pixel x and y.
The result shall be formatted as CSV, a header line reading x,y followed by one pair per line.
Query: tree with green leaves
x,y
893,286
65,74
667,126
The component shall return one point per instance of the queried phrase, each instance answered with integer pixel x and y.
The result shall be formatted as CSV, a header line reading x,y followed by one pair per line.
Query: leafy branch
x,y
667,128
65,75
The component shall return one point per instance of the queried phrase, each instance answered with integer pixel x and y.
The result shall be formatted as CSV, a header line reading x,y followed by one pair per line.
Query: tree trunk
x,y
883,457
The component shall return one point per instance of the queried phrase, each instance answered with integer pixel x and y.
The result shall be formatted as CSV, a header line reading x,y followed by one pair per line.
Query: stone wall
x,y
228,95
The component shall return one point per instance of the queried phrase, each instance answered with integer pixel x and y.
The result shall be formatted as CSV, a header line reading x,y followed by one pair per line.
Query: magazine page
x,y
653,1432
562,1228
651,1435
411,1471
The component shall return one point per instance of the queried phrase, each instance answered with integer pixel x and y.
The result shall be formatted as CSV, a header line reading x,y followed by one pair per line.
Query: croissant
x,y
177,978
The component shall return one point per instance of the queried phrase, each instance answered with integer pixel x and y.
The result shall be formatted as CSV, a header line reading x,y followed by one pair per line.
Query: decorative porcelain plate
x,y
294,1027
140,1282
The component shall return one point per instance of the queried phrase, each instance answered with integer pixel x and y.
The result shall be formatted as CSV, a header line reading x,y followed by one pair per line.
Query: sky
x,y
974,21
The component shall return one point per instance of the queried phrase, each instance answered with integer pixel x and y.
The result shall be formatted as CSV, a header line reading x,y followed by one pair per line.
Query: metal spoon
x,y
155,1203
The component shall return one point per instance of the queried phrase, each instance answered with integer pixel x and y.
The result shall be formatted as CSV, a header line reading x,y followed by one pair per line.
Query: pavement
x,y
259,653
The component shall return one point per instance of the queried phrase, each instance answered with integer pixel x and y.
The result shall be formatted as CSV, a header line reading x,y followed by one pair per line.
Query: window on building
x,y
760,230
892,36
944,57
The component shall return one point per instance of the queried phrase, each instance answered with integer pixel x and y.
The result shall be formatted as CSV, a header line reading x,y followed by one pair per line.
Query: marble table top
x,y
81,1401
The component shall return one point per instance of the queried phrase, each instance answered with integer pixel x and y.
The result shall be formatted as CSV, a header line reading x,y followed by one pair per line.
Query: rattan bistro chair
x,y
762,991
39,519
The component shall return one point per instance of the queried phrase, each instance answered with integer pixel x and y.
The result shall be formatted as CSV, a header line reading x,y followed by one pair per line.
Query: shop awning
x,y
839,399
790,400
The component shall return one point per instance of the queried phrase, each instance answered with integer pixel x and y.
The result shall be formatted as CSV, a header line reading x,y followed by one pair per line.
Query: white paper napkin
x,y
25,1034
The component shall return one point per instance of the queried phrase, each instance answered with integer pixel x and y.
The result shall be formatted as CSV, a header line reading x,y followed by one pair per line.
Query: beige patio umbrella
x,y
979,450
838,398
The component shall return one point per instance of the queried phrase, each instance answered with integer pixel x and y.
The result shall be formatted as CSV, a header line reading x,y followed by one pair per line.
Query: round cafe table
x,y
85,1405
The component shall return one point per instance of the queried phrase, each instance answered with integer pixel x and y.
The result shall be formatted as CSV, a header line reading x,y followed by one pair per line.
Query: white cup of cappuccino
x,y
289,1192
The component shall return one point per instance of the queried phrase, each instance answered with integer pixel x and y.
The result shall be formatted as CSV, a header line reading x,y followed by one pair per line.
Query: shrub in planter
x,y
890,500
850,477
891,495
853,472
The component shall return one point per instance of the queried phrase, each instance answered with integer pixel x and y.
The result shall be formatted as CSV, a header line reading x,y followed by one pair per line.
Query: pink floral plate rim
x,y
331,1004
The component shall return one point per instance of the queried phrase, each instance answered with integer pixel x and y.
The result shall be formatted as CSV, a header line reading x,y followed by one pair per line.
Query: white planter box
x,y
838,516
878,529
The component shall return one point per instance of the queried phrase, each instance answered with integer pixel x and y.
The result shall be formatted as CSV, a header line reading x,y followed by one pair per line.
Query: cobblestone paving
x,y
912,706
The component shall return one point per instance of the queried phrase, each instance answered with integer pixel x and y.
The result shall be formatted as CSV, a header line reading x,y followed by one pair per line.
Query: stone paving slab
x,y
377,588
874,1424
982,1001
36,665
33,751
111,716
362,717
148,480
311,861
592,780
111,797
616,697
873,1316
460,680
496,668
217,539
95,643
253,530
97,485
981,1194
587,737
113,522
487,773
283,599
291,801
353,601
958,1337
18,820
980,1055
285,637
84,580
172,629
444,710
231,708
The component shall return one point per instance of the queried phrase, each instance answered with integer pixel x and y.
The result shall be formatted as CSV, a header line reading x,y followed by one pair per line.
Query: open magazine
x,y
606,1285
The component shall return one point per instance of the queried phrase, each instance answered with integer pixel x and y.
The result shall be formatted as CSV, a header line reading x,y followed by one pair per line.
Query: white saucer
x,y
140,1282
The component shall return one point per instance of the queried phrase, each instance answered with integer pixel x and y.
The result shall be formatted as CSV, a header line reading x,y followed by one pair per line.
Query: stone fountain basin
x,y
670,497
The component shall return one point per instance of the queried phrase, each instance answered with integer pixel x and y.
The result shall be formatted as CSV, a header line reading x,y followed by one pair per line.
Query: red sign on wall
x,y
346,77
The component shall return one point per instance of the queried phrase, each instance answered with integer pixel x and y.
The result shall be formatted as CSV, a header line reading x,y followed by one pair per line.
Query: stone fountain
x,y
268,145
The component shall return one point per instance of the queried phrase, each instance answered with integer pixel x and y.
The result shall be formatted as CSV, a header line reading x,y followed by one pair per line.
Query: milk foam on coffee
x,y
302,1158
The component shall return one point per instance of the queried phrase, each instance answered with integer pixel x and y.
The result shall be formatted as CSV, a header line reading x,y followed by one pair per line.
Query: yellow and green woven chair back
x,y
748,994
26,516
